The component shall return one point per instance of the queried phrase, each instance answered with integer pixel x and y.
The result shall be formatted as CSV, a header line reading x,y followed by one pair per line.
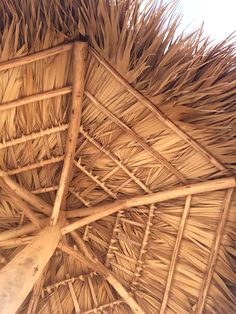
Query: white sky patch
x,y
219,17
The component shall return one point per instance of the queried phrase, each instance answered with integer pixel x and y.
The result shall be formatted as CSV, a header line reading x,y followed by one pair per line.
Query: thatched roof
x,y
158,114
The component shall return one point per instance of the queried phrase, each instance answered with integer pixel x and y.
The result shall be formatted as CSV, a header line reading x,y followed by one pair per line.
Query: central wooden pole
x,y
20,274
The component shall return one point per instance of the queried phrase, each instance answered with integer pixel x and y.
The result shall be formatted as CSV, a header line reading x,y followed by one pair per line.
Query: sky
x,y
219,16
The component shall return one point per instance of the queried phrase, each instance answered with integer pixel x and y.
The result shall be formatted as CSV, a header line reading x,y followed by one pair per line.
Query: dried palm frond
x,y
191,81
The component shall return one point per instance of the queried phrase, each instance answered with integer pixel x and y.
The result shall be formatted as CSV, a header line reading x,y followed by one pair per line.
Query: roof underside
x,y
124,149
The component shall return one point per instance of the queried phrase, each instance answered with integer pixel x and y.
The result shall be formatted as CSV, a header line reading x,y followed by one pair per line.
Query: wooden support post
x,y
106,210
175,254
79,56
214,254
20,274
94,264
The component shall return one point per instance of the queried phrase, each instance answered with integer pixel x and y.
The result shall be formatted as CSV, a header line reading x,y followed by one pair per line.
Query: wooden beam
x,y
27,196
159,114
102,270
79,56
158,157
6,65
99,212
15,242
175,254
214,254
19,275
20,231
36,97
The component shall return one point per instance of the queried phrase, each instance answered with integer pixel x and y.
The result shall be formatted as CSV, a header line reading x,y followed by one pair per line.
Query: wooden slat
x,y
79,56
214,254
160,115
175,254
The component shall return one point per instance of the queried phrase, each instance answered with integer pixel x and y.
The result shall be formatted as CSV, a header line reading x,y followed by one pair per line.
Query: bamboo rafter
x,y
159,158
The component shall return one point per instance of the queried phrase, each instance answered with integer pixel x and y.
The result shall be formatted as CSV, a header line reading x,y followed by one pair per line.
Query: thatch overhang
x,y
119,131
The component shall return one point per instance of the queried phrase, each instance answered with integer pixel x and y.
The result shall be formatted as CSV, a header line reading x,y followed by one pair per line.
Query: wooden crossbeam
x,y
33,98
99,212
175,254
6,65
158,157
214,253
79,56
160,115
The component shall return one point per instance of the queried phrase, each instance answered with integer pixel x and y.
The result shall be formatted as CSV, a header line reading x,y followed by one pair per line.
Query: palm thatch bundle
x,y
147,209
